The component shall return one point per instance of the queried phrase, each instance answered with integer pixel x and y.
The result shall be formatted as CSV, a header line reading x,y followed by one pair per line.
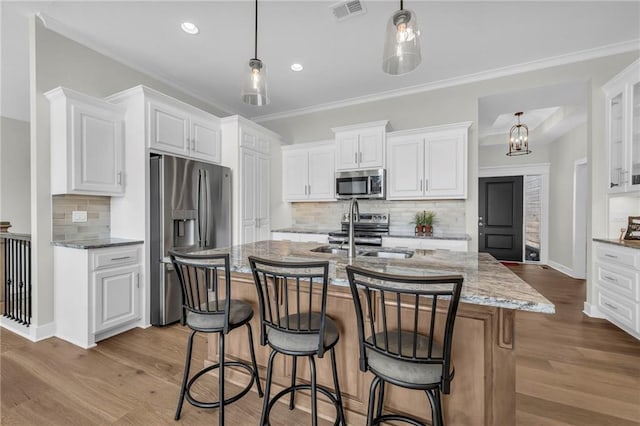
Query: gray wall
x,y
495,155
15,204
565,151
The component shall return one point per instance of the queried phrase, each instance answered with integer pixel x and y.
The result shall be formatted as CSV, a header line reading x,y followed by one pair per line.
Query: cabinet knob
x,y
119,178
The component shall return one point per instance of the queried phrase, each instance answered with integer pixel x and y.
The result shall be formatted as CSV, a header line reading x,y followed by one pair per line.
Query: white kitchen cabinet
x,y
623,130
247,151
98,292
617,282
428,163
309,172
178,128
360,146
87,144
426,243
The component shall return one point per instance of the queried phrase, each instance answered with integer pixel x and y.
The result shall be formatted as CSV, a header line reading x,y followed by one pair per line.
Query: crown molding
x,y
579,56
68,32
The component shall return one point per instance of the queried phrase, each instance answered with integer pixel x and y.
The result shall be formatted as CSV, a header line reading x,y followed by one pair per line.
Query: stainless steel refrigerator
x,y
190,207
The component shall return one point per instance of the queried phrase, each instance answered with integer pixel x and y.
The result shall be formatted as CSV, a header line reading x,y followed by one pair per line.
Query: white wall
x,y
15,203
565,151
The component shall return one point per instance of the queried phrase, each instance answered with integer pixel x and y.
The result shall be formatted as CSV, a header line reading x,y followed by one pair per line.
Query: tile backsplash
x,y
450,214
98,217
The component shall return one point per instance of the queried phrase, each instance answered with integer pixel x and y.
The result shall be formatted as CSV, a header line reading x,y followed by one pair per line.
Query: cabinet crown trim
x,y
66,93
464,125
310,145
620,79
242,121
382,123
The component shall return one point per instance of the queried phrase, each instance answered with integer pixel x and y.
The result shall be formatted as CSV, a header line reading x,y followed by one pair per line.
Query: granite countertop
x,y
436,236
301,230
96,243
486,281
624,243
394,234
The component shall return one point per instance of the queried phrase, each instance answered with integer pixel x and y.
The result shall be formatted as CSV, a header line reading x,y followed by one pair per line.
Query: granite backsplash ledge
x,y
450,214
98,217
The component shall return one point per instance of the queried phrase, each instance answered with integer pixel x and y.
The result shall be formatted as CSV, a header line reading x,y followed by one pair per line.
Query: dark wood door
x,y
500,217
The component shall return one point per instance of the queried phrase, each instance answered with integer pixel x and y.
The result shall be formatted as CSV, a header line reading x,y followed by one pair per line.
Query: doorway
x,y
500,217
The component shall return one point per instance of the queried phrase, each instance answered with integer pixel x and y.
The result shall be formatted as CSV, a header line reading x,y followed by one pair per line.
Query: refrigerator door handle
x,y
207,190
199,207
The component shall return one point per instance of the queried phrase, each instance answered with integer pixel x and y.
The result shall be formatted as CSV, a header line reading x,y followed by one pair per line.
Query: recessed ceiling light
x,y
189,28
296,67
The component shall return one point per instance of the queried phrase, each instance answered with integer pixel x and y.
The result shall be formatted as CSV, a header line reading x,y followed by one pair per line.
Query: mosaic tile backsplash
x,y
450,214
98,217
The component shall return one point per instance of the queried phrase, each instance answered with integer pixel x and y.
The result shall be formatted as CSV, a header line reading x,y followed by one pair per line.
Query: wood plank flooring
x,y
571,370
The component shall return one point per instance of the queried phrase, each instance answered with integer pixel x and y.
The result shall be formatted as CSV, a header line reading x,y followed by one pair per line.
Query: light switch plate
x,y
78,216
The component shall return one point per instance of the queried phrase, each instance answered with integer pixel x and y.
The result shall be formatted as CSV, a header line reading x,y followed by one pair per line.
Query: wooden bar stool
x,y
205,310
400,346
287,294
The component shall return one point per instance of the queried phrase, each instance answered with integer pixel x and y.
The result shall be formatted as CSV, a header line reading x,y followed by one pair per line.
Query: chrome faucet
x,y
354,216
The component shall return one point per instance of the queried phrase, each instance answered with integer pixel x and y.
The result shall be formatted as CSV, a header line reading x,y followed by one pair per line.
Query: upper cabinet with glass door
x,y
623,130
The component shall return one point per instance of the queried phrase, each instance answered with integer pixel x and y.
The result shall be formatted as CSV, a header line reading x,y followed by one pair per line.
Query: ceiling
x,y
342,60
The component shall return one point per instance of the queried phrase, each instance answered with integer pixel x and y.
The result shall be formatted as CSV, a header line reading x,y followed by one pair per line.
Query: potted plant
x,y
427,222
419,221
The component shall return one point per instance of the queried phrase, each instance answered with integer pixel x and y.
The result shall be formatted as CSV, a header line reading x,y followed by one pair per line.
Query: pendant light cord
x,y
401,5
255,53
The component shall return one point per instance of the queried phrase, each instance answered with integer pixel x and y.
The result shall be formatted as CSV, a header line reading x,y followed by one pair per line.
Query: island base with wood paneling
x,y
482,391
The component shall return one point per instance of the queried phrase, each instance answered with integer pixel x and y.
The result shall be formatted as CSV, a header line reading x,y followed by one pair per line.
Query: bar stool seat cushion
x,y
401,370
308,342
240,312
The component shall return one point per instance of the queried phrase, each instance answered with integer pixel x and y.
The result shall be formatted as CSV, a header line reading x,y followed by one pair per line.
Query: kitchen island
x,y
483,390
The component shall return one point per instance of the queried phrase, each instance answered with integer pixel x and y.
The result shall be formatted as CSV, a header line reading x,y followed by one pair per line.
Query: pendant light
x,y
254,91
402,46
519,138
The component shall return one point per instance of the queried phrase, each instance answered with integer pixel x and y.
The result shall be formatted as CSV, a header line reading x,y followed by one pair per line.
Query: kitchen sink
x,y
383,254
389,254
331,250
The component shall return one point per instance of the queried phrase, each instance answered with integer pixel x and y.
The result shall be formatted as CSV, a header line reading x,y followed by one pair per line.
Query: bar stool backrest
x,y
288,294
407,304
202,292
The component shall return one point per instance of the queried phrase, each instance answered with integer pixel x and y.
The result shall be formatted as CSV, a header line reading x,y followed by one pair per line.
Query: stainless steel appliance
x,y
368,184
190,208
369,230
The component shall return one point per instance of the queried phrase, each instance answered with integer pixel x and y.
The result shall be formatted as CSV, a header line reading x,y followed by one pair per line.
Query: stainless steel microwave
x,y
361,184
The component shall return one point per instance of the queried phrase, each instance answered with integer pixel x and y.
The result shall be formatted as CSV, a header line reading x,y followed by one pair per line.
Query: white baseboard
x,y
592,311
32,333
560,268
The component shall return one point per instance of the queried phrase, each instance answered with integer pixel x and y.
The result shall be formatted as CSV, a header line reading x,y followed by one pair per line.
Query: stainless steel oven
x,y
361,184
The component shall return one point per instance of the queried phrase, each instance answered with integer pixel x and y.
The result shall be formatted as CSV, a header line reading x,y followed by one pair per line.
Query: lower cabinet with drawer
x,y
617,278
96,292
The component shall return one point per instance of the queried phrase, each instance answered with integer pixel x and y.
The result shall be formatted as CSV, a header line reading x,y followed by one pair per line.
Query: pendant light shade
x,y
254,90
519,138
402,44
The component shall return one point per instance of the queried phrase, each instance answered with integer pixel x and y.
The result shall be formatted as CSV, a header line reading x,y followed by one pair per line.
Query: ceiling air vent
x,y
347,9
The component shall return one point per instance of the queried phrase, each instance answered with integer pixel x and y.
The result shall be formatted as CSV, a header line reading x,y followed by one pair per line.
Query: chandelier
x,y
519,138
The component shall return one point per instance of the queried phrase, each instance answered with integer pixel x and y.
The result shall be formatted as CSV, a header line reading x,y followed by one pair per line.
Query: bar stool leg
x,y
340,409
187,367
314,395
439,404
267,390
372,395
380,399
221,379
434,401
293,383
253,361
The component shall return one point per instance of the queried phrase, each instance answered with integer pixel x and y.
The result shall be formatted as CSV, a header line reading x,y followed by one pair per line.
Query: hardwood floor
x,y
571,370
